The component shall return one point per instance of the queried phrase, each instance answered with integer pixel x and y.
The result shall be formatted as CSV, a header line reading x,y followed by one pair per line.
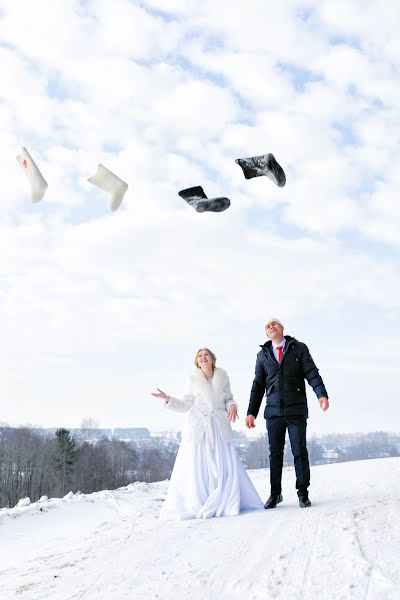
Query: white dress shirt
x,y
275,346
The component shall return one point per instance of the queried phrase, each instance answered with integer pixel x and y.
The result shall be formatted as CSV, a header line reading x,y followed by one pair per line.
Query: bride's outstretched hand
x,y
232,413
161,394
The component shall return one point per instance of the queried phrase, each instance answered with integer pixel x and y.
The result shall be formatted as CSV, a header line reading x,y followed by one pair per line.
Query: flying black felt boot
x,y
265,164
196,197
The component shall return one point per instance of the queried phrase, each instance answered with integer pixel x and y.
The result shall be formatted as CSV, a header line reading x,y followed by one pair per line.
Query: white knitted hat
x,y
268,321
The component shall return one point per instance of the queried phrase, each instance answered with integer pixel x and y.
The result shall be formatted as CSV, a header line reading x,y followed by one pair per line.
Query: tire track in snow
x,y
293,559
383,567
134,521
96,554
373,565
227,541
106,568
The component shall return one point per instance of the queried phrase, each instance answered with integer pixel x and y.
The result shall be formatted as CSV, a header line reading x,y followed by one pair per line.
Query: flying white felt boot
x,y
36,179
110,183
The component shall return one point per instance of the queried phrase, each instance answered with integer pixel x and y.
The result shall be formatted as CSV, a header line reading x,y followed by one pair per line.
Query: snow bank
x,y
44,504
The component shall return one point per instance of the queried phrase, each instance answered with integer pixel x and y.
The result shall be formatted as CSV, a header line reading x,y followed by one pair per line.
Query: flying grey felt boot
x,y
265,164
196,197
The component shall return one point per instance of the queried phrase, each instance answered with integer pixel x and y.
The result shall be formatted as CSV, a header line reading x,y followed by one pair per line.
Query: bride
x,y
208,479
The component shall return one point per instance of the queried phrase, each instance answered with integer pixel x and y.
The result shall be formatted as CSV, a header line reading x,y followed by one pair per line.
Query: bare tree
x,y
89,430
257,453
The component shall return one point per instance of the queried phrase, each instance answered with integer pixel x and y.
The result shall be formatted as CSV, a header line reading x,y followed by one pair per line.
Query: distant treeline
x,y
33,463
324,449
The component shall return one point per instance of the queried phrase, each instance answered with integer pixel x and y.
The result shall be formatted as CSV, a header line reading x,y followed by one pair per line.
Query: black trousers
x,y
296,426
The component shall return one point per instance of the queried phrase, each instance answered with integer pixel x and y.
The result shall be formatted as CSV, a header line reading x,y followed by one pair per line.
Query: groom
x,y
282,365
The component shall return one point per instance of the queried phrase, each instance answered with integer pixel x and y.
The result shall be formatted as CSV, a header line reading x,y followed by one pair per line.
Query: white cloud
x,y
92,300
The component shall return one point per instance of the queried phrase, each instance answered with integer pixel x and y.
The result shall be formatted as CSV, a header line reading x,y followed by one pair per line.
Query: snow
x,y
24,502
111,544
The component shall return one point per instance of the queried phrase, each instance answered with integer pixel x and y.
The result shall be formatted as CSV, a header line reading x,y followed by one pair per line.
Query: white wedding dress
x,y
208,479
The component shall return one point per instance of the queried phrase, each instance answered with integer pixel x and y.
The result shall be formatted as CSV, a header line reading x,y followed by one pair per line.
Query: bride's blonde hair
x,y
213,357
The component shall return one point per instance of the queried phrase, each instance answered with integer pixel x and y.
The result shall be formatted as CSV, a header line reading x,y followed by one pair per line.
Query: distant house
x,y
332,456
131,433
89,434
167,435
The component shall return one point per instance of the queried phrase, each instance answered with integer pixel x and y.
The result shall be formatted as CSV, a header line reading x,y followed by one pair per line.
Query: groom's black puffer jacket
x,y
283,383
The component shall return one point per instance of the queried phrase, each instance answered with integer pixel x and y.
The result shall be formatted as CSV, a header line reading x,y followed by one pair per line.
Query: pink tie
x,y
279,349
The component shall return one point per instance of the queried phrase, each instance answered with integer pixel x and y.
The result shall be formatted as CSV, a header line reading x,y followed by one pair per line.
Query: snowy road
x,y
110,545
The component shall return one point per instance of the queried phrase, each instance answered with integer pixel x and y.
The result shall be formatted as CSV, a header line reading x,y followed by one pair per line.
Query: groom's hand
x,y
324,403
250,424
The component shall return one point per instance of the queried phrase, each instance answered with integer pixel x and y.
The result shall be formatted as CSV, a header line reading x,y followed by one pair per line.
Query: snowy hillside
x,y
110,545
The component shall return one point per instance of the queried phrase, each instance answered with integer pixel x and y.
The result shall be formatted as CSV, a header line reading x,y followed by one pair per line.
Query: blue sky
x,y
99,308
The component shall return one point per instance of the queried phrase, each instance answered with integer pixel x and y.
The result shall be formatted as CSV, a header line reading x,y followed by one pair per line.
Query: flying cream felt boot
x,y
265,164
196,197
110,183
36,179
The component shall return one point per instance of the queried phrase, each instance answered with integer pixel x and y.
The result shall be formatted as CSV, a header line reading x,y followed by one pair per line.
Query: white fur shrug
x,y
205,403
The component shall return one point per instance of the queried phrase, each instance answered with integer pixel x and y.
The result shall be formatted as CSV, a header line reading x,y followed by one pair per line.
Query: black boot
x,y
304,500
273,500
196,197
